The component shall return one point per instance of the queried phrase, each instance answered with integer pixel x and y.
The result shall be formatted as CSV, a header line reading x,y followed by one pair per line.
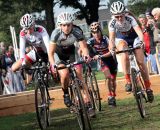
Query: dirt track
x,y
121,94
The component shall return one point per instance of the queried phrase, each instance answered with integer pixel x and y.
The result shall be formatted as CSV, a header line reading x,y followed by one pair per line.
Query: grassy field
x,y
124,117
100,75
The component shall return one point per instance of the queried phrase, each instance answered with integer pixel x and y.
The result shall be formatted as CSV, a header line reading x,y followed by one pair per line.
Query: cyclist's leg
x,y
110,74
144,71
64,79
122,44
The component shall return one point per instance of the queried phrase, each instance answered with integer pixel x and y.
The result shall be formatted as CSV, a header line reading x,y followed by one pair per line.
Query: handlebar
x,y
131,49
68,65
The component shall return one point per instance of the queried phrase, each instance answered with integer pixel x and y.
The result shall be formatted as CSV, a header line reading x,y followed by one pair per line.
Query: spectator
x,y
156,14
147,27
2,67
9,57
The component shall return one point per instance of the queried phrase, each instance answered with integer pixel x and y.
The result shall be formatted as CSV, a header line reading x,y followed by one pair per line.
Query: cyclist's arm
x,y
22,48
139,32
45,38
83,48
112,30
111,40
52,48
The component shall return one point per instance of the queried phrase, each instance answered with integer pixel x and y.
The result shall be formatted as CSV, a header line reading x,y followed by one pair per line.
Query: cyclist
x,y
123,32
98,45
62,42
33,35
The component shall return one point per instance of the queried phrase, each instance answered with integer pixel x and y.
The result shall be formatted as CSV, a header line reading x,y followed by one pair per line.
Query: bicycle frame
x,y
134,64
76,95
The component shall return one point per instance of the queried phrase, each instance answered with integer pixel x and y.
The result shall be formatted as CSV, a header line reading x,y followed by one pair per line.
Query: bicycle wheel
x,y
81,111
42,105
138,94
91,82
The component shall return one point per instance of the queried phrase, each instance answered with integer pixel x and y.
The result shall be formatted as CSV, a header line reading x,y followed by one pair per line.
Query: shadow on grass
x,y
124,117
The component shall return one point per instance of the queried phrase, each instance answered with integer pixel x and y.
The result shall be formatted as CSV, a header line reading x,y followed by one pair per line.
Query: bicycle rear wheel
x,y
42,106
138,93
91,82
81,111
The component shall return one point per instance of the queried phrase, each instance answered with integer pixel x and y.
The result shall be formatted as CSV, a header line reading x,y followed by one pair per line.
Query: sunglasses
x,y
64,25
94,32
118,16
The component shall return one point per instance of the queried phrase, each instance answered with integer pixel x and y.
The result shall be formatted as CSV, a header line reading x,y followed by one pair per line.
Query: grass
x,y
100,75
124,117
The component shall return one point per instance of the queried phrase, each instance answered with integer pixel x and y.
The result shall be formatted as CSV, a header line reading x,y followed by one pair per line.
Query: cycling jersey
x,y
39,39
124,30
65,44
100,49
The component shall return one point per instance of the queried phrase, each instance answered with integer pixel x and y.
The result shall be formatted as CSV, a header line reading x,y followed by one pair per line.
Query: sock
x,y
109,94
128,79
147,84
113,94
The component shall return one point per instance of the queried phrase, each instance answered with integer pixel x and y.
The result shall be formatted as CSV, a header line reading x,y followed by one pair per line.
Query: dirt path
x,y
121,94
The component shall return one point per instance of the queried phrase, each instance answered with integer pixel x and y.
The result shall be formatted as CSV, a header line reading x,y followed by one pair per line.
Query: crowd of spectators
x,y
149,22
8,79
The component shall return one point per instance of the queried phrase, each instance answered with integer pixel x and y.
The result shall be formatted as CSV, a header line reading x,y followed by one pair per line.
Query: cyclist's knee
x,y
122,45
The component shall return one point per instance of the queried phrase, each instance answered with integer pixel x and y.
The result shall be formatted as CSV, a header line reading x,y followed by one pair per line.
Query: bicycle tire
x,y
138,94
82,115
92,81
41,106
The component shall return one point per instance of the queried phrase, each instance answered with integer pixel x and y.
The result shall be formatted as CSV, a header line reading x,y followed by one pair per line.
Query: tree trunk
x,y
50,25
92,6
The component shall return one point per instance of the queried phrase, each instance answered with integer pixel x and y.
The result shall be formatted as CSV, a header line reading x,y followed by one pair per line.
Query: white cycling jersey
x,y
124,30
127,24
39,39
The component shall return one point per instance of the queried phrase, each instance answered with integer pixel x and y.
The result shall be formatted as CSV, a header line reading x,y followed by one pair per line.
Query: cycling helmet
x,y
117,8
65,18
27,21
95,26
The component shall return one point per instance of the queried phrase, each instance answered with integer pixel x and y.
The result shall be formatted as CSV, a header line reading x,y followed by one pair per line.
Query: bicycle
x,y
138,88
78,106
40,76
91,81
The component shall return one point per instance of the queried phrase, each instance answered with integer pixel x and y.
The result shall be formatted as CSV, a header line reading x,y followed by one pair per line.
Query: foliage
x,y
139,6
89,11
11,12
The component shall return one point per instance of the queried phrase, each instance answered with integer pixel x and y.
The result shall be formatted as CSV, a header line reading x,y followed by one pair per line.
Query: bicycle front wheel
x,y
138,94
81,110
91,82
42,106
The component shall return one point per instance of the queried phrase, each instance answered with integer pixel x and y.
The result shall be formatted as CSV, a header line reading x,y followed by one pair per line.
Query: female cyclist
x,y
123,32
99,49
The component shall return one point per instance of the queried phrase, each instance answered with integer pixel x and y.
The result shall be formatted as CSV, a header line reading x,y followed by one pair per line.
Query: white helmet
x,y
27,21
117,8
65,18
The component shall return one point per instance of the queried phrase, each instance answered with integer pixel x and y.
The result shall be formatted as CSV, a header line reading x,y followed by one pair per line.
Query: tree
x,y
140,6
88,11
11,12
